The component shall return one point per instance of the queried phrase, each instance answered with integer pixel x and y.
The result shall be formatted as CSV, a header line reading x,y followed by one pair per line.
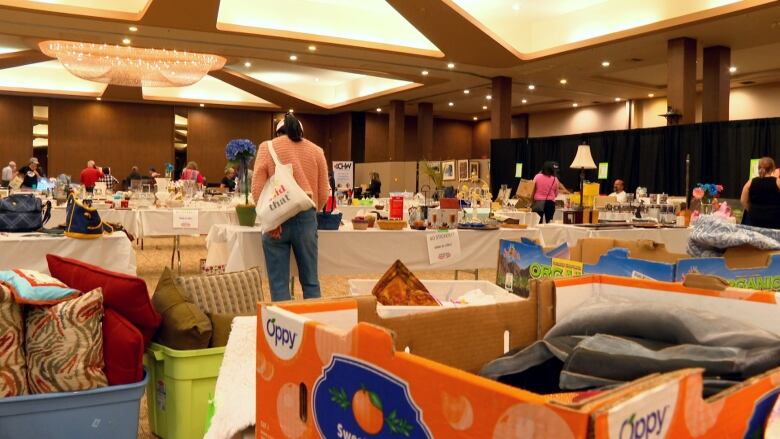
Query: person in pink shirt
x,y
191,173
299,233
547,186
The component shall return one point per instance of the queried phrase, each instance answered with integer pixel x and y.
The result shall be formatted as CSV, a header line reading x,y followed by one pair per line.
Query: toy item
x,y
398,286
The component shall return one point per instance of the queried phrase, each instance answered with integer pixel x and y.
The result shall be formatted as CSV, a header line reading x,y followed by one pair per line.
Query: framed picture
x,y
436,166
463,170
448,170
474,168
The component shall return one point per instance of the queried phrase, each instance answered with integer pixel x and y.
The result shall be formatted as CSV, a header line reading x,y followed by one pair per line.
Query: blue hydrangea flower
x,y
238,149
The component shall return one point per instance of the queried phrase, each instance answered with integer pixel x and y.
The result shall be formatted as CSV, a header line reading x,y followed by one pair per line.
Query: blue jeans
x,y
299,233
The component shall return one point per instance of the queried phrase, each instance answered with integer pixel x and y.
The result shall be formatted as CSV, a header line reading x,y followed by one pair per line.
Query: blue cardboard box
x,y
762,272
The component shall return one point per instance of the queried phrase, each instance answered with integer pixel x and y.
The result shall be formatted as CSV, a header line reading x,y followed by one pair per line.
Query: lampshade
x,y
583,159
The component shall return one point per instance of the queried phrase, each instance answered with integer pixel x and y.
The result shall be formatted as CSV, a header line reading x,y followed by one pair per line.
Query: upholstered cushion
x,y
230,293
221,325
123,349
184,325
36,288
64,345
125,294
13,368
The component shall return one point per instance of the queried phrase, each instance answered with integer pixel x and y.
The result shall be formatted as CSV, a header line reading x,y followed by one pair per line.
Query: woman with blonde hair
x,y
191,173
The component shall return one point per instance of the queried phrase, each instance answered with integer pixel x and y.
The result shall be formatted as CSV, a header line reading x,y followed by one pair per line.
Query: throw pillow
x,y
229,293
13,369
123,349
125,294
221,325
35,288
184,325
65,345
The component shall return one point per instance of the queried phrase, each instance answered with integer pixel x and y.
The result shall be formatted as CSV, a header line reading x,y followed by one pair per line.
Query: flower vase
x,y
246,214
706,208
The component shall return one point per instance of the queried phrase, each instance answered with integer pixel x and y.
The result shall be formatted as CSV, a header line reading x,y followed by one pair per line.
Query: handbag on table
x,y
23,213
327,220
282,198
83,221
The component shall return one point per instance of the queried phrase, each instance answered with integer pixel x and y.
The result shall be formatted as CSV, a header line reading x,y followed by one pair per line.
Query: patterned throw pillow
x,y
230,293
13,370
65,345
36,288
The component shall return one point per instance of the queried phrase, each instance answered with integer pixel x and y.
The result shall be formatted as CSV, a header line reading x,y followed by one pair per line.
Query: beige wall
x,y
581,120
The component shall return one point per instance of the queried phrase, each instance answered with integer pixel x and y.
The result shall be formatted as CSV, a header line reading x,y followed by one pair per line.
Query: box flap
x,y
746,256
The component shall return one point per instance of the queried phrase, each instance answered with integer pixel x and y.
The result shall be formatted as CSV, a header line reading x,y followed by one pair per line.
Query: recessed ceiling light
x,y
451,104
531,86
132,29
575,105
247,64
291,110
293,58
202,105
451,65
605,64
524,101
564,81
475,118
316,79
425,73
617,99
651,95
732,69
489,97
516,7
99,98
484,107
466,91
125,40
378,110
312,48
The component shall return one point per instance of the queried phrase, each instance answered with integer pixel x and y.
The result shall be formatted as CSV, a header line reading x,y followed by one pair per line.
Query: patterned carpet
x,y
156,255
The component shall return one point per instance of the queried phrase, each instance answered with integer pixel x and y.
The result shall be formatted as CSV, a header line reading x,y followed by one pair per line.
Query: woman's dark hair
x,y
292,128
548,168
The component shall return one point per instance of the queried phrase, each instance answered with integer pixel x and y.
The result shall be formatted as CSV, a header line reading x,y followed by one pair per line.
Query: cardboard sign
x,y
344,174
443,246
603,170
185,219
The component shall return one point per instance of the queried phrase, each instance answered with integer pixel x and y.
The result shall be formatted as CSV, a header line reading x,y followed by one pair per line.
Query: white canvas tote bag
x,y
281,198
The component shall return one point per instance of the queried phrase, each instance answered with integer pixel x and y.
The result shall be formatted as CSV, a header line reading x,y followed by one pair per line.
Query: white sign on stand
x,y
344,175
185,219
443,246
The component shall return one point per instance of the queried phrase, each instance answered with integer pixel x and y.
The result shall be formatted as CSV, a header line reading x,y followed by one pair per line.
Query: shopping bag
x,y
23,213
525,190
281,198
83,221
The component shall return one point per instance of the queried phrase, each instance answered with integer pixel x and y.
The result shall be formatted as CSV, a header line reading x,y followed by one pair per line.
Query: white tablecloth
x,y
349,251
159,222
29,250
529,218
126,217
676,240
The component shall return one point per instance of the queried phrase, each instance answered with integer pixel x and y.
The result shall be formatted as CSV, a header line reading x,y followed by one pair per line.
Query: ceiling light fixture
x,y
378,110
605,64
531,87
451,65
475,118
99,98
316,79
489,97
126,40
132,29
564,81
451,104
247,64
312,48
466,91
732,69
617,99
131,66
651,95
202,105
293,57
291,110
524,101
484,107
575,105
425,73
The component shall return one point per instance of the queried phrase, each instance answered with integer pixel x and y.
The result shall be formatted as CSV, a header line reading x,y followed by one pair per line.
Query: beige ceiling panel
x,y
48,77
117,9
364,23
208,90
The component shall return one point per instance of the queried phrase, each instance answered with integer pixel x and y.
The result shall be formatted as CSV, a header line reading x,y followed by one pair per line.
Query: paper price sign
x,y
443,246
185,219
603,170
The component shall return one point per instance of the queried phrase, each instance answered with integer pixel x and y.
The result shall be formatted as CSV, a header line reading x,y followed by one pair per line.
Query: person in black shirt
x,y
229,180
375,186
761,196
30,174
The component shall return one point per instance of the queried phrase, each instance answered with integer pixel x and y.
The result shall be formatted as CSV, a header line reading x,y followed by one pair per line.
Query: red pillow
x,y
125,294
123,349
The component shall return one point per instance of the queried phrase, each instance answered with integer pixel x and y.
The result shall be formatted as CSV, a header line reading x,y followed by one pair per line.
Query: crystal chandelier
x,y
132,66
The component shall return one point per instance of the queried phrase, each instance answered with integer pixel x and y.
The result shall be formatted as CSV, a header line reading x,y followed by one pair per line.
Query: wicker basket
x,y
359,225
391,224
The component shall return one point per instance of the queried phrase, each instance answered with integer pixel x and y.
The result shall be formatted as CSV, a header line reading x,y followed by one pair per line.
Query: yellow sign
x,y
570,268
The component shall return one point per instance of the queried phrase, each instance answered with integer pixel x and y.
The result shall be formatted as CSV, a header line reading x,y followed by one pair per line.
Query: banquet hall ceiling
x,y
328,56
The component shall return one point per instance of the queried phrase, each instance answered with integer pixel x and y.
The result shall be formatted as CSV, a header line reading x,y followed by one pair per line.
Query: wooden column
x,y
425,129
396,131
501,108
715,94
681,78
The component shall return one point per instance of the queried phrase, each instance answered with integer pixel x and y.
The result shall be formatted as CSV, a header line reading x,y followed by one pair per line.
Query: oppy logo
x,y
280,334
649,426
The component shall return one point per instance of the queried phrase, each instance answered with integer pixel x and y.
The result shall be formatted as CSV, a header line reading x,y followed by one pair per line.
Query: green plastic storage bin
x,y
177,394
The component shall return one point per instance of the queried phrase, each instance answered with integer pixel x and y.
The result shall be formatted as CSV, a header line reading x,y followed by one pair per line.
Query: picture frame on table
x,y
473,168
463,170
448,170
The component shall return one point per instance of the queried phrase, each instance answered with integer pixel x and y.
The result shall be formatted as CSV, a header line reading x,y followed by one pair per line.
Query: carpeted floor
x,y
156,255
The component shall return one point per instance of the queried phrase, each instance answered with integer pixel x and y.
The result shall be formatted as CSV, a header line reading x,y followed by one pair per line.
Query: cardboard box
x,y
334,368
742,267
521,261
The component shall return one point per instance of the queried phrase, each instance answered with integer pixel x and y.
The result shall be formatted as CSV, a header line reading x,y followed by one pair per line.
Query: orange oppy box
x,y
334,369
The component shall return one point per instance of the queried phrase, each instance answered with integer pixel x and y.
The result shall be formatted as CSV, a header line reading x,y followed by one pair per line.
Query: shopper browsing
x,y
8,173
761,197
90,175
619,191
375,186
299,233
546,190
191,173
29,174
229,180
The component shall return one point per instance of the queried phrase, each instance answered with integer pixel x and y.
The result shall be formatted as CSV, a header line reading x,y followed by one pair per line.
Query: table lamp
x,y
582,161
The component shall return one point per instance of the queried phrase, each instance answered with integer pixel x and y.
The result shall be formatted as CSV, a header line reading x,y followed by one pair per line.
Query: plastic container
x,y
180,383
107,412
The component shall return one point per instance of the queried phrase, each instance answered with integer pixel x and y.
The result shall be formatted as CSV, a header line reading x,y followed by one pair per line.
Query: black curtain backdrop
x,y
720,152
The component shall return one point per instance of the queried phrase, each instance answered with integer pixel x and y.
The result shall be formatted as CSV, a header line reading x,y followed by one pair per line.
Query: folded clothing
x,y
607,343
